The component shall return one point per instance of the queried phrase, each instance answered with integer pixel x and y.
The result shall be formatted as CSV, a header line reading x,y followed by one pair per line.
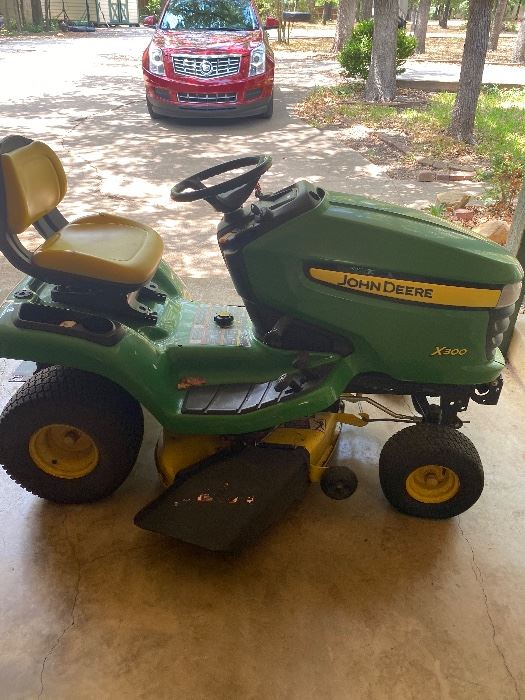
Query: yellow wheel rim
x,y
432,484
63,451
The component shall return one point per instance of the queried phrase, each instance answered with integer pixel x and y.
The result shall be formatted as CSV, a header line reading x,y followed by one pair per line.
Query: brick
x,y
464,214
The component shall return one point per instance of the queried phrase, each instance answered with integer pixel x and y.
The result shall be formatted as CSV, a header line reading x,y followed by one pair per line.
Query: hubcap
x,y
432,484
63,451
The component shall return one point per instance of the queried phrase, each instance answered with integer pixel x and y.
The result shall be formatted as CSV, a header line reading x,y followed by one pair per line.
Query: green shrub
x,y
356,54
153,7
510,26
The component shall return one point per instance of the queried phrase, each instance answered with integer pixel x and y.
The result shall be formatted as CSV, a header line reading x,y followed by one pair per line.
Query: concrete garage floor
x,y
341,599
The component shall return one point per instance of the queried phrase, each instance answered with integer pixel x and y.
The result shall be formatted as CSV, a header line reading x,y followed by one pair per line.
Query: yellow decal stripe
x,y
409,290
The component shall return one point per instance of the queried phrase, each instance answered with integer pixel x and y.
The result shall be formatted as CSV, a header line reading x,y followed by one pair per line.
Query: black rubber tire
x,y
151,111
338,482
268,113
58,395
425,444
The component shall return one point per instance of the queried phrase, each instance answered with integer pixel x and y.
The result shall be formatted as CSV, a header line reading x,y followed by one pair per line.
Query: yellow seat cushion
x,y
103,247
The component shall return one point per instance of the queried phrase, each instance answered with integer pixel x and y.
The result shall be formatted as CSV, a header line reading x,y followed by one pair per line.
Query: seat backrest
x,y
34,184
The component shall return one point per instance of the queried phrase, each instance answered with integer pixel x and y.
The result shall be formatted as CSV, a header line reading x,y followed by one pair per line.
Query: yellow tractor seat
x,y
118,253
103,247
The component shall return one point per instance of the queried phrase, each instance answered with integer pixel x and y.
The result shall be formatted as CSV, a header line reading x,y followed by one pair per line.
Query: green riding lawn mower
x,y
343,297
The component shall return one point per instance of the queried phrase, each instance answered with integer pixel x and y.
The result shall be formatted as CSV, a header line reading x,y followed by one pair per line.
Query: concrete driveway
x,y
85,97
342,600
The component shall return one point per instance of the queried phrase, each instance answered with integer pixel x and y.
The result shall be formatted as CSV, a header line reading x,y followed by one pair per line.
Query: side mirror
x,y
271,23
150,21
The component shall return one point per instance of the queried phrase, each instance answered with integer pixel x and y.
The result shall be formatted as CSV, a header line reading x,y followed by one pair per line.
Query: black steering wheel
x,y
229,195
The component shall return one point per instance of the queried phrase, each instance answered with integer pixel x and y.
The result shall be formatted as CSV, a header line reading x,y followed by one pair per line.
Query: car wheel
x,y
268,112
151,111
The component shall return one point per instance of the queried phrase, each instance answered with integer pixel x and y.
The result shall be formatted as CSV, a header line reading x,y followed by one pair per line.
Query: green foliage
x,y
499,129
356,54
153,8
30,28
267,7
437,210
499,132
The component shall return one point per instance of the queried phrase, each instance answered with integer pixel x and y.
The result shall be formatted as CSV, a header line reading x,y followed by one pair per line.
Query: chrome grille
x,y
206,66
207,97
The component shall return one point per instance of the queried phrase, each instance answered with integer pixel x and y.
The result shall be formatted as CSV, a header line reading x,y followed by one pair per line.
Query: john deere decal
x,y
409,290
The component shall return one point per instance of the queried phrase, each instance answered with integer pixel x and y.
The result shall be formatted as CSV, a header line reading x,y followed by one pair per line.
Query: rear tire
x,y
70,436
430,471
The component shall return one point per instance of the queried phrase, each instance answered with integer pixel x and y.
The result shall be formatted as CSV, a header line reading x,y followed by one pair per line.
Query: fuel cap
x,y
224,319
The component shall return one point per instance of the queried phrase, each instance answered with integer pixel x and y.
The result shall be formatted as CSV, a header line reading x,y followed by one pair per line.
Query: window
x,y
219,15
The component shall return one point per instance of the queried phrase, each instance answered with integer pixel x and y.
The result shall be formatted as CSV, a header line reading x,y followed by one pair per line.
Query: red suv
x,y
209,58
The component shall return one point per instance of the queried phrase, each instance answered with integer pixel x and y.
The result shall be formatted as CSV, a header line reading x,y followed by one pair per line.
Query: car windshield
x,y
220,15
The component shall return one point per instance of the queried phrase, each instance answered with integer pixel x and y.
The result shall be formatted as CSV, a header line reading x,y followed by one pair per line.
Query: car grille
x,y
206,66
207,97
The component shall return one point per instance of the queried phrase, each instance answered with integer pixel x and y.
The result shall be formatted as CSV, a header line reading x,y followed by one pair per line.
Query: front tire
x,y
430,471
70,436
151,111
268,112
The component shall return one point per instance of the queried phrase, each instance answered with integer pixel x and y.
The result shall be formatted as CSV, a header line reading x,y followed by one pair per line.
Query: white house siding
x,y
133,11
75,9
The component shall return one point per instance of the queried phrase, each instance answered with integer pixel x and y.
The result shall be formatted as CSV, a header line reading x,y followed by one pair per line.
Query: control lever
x,y
302,362
295,380
274,336
289,380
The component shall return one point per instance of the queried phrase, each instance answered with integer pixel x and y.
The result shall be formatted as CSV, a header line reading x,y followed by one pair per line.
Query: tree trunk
x,y
21,9
36,13
444,15
381,82
517,228
279,16
420,31
365,9
18,19
497,25
415,19
474,53
345,23
7,16
516,245
519,47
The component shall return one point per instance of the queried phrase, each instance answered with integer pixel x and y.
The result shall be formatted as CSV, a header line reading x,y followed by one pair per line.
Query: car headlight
x,y
156,63
258,61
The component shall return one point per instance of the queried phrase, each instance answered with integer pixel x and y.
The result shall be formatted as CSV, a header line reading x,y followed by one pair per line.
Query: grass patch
x,y
424,117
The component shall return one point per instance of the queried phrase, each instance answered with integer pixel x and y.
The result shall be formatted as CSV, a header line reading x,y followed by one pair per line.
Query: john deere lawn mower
x,y
343,298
